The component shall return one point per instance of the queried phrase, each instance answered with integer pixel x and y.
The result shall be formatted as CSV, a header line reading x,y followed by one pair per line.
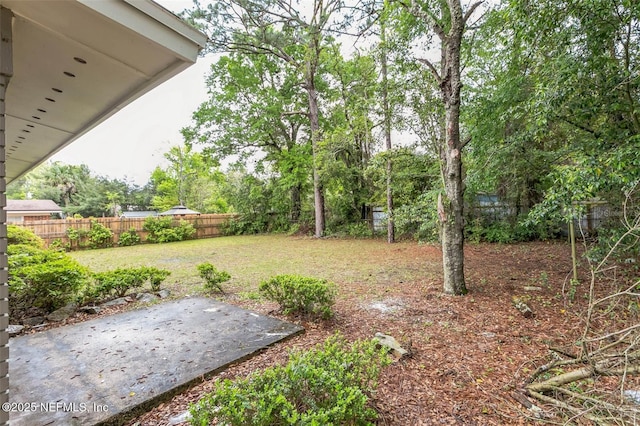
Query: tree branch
x,y
432,20
288,113
432,68
469,12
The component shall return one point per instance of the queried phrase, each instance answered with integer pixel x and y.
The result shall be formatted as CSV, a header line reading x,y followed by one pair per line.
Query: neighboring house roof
x,y
145,213
32,206
178,210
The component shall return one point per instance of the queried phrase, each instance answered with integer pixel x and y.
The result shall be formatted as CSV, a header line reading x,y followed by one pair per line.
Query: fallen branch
x,y
602,368
553,364
562,379
556,402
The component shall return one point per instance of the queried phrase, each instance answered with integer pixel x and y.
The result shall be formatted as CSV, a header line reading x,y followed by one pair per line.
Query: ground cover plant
x,y
471,355
329,384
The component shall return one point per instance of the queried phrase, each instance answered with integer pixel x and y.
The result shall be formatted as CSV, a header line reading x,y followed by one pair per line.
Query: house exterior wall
x,y
27,217
6,71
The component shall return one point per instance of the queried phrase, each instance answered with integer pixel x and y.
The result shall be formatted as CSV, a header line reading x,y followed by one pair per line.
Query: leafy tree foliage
x,y
249,116
191,179
294,37
557,104
78,191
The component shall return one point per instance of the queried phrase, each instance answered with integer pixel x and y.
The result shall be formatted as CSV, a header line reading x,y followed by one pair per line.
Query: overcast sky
x,y
131,142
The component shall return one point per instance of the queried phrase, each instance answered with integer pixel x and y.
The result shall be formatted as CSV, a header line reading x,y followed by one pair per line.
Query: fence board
x,y
206,226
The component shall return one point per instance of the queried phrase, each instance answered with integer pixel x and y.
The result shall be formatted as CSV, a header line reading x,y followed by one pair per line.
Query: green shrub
x,y
163,230
77,238
21,255
297,294
118,282
129,238
43,278
156,276
20,235
59,245
419,219
100,236
353,230
329,384
213,278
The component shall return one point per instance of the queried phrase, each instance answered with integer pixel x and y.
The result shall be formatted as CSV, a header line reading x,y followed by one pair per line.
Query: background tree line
x,y
318,113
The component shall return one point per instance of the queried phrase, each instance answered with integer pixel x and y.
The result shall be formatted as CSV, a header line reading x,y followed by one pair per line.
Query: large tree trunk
x,y
450,203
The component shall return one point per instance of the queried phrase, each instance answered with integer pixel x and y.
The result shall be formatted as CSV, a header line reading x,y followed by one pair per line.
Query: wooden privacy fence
x,y
206,226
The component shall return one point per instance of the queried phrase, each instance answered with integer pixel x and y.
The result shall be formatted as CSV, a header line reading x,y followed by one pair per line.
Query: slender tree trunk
x,y
296,203
387,134
318,196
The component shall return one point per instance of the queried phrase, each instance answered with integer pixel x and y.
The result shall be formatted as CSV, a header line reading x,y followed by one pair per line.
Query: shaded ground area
x,y
91,371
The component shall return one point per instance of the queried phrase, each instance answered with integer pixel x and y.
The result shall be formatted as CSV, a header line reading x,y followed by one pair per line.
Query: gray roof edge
x,y
32,206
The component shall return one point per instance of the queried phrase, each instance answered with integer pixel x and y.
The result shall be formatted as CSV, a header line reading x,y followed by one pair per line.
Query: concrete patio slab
x,y
100,370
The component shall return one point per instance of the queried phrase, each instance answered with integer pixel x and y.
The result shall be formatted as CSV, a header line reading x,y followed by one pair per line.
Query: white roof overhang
x,y
77,62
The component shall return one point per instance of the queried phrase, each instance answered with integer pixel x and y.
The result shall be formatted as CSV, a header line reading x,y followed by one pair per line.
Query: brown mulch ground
x,y
468,353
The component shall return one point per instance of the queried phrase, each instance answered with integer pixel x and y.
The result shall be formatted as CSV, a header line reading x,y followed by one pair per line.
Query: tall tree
x,y
277,28
348,135
386,113
247,116
447,21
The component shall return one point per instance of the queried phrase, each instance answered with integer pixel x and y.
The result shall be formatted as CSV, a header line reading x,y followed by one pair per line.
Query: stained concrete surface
x,y
98,370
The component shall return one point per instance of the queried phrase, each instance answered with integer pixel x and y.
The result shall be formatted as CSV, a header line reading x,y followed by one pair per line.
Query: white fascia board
x,y
169,19
169,31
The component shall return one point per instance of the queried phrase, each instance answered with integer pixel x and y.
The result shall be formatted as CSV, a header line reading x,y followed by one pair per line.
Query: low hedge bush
x,y
46,279
163,230
117,282
300,295
19,235
330,384
156,276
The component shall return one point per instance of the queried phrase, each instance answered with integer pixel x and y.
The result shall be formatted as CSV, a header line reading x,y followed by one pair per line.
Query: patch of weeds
x,y
250,295
543,301
445,324
543,280
573,288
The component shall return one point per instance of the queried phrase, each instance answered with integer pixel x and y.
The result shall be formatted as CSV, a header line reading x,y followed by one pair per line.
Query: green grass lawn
x,y
251,259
